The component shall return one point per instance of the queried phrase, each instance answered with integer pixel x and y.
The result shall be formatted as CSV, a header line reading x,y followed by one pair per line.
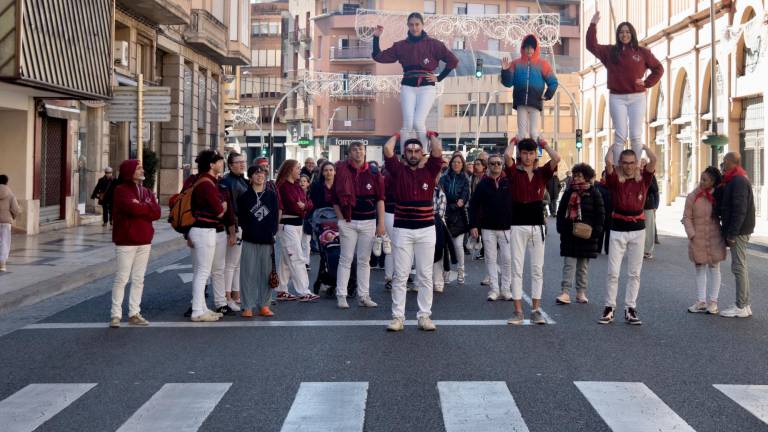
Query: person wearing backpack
x,y
135,208
211,233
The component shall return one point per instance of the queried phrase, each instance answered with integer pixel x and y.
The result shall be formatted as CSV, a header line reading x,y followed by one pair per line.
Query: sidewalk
x,y
668,223
41,266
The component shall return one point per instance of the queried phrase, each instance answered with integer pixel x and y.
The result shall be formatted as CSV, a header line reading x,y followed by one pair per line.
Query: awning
x,y
60,112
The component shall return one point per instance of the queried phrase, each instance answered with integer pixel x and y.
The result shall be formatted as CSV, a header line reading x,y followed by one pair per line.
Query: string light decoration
x,y
244,116
352,85
510,28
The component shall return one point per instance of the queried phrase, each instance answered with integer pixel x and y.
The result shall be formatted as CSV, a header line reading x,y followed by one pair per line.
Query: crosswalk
x,y
477,406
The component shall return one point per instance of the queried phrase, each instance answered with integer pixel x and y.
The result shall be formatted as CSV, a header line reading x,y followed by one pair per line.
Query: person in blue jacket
x,y
529,75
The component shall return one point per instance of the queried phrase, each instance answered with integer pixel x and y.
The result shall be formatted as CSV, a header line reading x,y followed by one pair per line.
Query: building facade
x,y
679,108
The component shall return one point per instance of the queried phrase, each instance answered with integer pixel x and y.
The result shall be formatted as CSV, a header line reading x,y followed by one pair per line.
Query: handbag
x,y
274,278
581,229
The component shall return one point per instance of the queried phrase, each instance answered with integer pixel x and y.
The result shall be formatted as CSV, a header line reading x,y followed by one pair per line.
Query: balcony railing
x,y
362,52
207,34
171,12
354,125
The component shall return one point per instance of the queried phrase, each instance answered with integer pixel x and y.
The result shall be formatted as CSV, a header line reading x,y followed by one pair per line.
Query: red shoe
x,y
286,296
247,313
265,312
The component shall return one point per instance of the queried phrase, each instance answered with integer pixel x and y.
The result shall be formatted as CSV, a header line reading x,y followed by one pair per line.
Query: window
x,y
201,98
458,43
232,20
429,7
521,10
266,58
459,8
217,10
491,9
494,45
475,9
265,28
214,112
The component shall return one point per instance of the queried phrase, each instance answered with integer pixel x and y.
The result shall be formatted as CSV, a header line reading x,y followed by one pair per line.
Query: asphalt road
x,y
677,356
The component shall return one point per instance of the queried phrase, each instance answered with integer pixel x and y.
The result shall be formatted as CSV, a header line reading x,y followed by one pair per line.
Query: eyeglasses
x,y
494,163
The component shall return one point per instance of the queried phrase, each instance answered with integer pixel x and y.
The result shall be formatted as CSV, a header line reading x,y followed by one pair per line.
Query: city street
x,y
314,367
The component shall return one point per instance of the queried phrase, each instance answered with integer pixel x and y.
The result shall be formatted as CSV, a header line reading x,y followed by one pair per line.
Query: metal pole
x,y
713,79
328,130
140,119
556,135
272,124
485,111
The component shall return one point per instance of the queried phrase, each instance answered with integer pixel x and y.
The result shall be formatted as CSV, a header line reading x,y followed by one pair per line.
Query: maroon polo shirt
x,y
628,199
528,193
289,195
413,192
368,187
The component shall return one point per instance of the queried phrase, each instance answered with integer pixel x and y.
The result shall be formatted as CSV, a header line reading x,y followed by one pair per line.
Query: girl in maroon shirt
x,y
626,62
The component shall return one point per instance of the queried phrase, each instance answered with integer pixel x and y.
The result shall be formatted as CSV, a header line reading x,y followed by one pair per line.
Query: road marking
x,y
328,406
631,407
753,398
265,323
186,277
162,270
479,406
35,404
176,408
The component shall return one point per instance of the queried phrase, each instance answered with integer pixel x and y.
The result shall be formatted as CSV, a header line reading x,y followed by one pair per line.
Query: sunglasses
x,y
494,163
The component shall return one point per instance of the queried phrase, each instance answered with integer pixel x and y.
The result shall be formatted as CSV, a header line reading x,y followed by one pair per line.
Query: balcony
x,y
299,36
168,12
208,35
356,54
296,114
238,54
354,125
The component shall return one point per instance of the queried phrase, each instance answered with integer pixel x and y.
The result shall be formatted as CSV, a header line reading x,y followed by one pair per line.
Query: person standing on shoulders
x,y
135,208
235,182
706,247
737,213
414,227
99,193
490,216
527,184
581,204
257,215
629,187
358,199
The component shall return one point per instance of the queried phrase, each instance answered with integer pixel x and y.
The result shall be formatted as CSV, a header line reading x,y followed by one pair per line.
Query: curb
x,y
61,284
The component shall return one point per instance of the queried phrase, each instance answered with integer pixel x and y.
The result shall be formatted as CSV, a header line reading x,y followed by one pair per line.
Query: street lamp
x,y
328,129
458,126
714,140
272,124
485,111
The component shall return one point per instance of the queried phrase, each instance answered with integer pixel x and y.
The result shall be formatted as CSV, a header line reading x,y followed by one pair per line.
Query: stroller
x,y
325,228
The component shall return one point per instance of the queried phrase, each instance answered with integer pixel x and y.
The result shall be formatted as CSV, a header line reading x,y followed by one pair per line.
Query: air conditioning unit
x,y
121,53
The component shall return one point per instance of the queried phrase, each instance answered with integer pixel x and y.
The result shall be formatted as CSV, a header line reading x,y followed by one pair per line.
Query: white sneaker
x,y
3,268
698,307
507,296
713,310
366,302
386,245
749,310
486,281
233,306
341,302
736,312
396,325
492,296
377,246
460,276
426,324
207,316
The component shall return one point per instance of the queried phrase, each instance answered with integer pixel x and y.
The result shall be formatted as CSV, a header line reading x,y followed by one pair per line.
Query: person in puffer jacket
x,y
529,75
456,186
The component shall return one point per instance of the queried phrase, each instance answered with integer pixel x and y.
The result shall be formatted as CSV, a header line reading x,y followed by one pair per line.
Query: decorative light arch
x,y
341,84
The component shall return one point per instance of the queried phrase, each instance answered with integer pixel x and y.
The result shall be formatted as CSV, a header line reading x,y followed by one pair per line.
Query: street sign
x,y
124,104
304,142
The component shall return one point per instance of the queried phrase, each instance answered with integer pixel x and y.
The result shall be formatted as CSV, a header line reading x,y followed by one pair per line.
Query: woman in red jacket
x,y
419,55
626,63
134,208
293,207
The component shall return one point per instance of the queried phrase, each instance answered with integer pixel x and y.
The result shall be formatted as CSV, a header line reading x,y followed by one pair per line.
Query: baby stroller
x,y
325,228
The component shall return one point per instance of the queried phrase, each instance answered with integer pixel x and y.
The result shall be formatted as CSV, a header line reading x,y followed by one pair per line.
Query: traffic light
x,y
479,68
579,142
263,151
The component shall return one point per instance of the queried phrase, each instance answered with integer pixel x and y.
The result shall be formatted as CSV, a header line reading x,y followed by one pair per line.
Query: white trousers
x,y
497,242
458,246
5,241
415,103
437,275
528,120
410,244
209,258
709,273
628,117
292,265
306,246
131,263
232,265
630,243
527,237
356,240
389,260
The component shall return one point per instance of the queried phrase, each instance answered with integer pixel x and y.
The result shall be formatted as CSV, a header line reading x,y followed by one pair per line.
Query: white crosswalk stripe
x,y
753,398
30,407
328,406
177,408
472,406
631,407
